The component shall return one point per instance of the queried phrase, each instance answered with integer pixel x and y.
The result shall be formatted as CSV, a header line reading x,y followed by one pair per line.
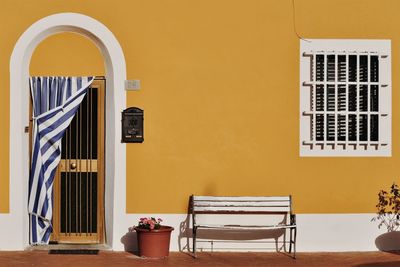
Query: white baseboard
x,y
316,233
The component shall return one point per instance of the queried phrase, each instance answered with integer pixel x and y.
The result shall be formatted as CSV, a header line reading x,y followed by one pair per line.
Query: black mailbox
x,y
132,125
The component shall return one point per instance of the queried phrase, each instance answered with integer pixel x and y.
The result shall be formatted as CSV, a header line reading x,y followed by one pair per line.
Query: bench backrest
x,y
241,205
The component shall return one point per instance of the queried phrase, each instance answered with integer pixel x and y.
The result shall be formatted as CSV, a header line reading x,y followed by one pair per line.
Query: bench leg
x,y
194,241
294,243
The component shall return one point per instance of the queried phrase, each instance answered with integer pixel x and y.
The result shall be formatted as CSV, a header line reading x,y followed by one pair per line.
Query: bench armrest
x,y
292,219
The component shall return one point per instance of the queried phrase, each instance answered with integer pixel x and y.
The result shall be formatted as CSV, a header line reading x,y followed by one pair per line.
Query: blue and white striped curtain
x,y
55,102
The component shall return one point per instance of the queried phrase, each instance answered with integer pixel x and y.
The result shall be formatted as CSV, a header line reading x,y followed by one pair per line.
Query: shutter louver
x,y
341,127
352,97
331,68
320,127
352,68
341,68
320,99
374,128
352,127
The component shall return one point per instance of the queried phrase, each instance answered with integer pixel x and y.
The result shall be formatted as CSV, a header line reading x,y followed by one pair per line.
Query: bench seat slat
x,y
242,204
249,227
241,209
242,212
232,198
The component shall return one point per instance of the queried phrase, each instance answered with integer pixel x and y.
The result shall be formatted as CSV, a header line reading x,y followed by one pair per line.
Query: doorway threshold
x,y
69,246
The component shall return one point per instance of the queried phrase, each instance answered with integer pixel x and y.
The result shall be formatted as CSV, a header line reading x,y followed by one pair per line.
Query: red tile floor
x,y
108,258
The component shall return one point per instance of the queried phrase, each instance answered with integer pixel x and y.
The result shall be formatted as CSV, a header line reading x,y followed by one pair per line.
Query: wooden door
x,y
78,210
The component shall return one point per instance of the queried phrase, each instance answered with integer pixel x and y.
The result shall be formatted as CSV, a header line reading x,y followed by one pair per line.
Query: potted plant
x,y
388,216
153,238
389,208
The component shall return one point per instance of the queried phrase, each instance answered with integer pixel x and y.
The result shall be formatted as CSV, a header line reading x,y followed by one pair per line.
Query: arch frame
x,y
115,158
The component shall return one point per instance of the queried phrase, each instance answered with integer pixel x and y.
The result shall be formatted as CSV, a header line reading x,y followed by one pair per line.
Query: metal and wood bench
x,y
223,205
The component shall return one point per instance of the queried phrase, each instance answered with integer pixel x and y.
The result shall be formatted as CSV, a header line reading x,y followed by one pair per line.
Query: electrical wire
x,y
294,23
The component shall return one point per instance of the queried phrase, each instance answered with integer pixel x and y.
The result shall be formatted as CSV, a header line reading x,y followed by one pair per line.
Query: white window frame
x,y
309,147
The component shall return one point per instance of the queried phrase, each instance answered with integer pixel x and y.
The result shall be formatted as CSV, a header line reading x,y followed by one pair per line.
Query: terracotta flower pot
x,y
154,243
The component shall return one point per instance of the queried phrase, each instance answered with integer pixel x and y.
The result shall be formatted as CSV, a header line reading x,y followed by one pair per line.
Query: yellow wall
x,y
220,94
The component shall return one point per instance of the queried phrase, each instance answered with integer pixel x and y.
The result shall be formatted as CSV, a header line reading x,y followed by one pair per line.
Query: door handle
x,y
73,166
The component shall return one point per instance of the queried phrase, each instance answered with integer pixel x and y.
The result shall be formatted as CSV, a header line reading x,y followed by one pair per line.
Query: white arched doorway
x,y
16,222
